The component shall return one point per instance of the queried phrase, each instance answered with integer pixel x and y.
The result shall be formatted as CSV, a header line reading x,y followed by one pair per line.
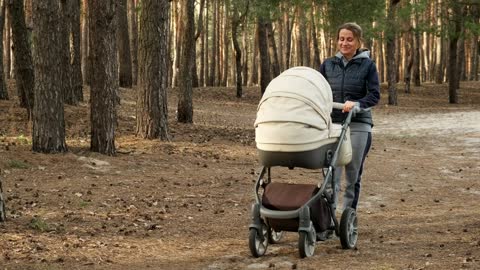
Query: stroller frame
x,y
261,233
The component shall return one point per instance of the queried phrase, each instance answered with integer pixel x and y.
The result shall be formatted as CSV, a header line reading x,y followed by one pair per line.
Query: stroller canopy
x,y
294,112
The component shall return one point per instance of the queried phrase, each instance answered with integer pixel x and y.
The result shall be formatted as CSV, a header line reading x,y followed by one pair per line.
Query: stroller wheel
x,y
348,228
274,236
306,245
258,241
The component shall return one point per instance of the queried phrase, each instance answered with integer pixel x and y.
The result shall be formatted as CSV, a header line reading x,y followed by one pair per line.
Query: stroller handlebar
x,y
356,109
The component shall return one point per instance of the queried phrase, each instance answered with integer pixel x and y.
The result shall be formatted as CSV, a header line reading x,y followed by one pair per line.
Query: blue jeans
x,y
361,142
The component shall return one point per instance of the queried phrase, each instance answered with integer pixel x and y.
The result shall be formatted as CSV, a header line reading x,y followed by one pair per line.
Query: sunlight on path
x,y
463,127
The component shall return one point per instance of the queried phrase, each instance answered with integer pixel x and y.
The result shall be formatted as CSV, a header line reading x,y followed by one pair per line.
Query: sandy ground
x,y
185,204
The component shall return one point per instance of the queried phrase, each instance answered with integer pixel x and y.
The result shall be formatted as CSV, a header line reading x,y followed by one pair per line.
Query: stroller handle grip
x,y
356,109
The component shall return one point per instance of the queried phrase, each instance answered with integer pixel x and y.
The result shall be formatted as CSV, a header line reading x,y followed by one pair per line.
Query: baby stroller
x,y
293,128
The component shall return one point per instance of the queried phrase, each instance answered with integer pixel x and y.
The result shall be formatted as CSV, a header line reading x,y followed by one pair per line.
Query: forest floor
x,y
185,204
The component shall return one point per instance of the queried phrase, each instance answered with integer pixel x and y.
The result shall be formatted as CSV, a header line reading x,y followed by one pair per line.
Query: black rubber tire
x,y
274,236
349,229
306,248
256,245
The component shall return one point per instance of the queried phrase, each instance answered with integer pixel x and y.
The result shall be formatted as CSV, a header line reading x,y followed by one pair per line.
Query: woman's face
x,y
347,43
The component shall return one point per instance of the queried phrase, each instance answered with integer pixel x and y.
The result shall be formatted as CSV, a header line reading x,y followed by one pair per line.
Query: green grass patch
x,y
39,224
21,139
18,164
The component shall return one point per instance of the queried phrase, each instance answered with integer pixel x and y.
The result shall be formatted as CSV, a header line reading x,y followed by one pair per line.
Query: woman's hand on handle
x,y
348,106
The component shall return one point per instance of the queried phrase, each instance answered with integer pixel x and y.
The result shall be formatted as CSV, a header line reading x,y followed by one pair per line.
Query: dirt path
x,y
185,204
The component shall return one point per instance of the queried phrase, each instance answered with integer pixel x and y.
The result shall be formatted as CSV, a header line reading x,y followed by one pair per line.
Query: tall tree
x,y
104,85
24,75
64,53
185,103
86,63
3,85
391,61
452,67
48,113
264,58
238,18
123,42
152,116
133,33
76,63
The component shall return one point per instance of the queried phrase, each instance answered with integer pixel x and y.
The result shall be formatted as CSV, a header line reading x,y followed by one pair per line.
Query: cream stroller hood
x,y
294,112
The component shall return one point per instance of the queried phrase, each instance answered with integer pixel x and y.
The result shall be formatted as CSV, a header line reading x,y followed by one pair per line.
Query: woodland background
x,y
151,106
56,49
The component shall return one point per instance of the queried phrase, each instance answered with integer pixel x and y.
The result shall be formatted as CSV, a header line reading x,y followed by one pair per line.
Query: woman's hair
x,y
354,28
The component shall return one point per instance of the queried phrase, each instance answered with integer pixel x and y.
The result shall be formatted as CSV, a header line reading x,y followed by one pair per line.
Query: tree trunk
x,y
104,85
64,53
77,80
226,46
133,34
151,91
213,53
3,85
238,51
254,74
7,43
452,69
316,50
185,103
416,51
48,134
196,79
245,55
264,59
474,46
24,75
391,61
86,60
439,47
407,76
272,46
288,37
123,41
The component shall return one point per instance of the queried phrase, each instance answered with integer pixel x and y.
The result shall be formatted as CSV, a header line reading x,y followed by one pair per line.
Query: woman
x,y
353,78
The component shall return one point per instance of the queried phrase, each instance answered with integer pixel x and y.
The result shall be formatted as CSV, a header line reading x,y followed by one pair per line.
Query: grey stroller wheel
x,y
3,214
349,228
306,246
258,241
274,236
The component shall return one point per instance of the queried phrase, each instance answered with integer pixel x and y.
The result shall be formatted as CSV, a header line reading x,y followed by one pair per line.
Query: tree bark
x,y
272,46
104,85
452,67
152,120
238,52
213,53
86,59
133,34
123,41
77,79
185,103
64,53
24,74
48,114
3,85
264,59
391,61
